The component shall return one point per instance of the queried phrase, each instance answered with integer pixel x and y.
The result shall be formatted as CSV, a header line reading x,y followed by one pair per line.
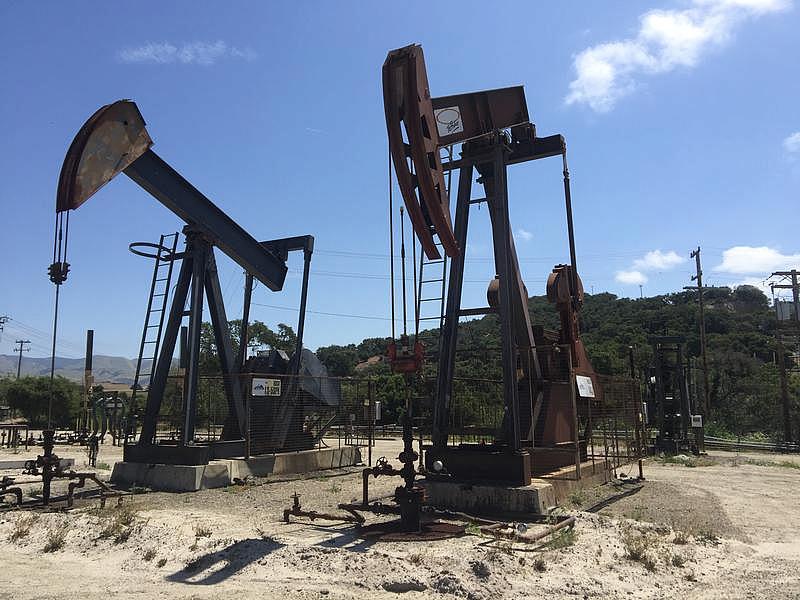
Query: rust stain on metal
x,y
112,138
409,116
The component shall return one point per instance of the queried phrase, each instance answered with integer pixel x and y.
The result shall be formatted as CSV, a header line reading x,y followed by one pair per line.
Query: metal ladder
x,y
156,308
438,278
432,290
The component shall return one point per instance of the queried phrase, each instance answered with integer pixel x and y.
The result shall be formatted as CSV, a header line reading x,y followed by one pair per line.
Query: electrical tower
x,y
787,331
21,348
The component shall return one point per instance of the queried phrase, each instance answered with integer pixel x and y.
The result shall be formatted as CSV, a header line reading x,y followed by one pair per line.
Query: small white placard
x,y
448,120
697,420
585,387
266,387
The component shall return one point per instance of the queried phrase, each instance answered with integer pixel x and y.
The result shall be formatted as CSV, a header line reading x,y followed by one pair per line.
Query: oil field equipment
x,y
548,381
114,140
670,405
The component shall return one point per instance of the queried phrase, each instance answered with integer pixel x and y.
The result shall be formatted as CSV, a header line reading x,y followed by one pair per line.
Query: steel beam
x,y
449,333
167,186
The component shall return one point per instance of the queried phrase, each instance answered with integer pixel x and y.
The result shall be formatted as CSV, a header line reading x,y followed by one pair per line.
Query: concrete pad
x,y
490,499
541,495
20,464
221,473
170,478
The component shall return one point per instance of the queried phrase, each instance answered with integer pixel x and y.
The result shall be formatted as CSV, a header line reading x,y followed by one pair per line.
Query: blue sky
x,y
680,117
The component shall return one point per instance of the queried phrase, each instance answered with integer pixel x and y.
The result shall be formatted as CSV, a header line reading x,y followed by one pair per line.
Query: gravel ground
x,y
727,529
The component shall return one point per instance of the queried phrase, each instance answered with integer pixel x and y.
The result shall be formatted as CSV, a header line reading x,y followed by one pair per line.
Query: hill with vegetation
x,y
740,325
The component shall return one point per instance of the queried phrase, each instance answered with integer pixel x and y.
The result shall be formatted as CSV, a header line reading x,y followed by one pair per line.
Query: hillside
x,y
744,388
113,369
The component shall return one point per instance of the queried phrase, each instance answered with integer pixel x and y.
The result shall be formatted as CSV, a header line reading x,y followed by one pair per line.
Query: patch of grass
x,y
56,538
681,538
149,554
161,562
540,564
472,529
335,488
564,538
480,569
104,466
783,464
706,536
119,523
639,547
577,497
415,558
201,531
678,560
23,527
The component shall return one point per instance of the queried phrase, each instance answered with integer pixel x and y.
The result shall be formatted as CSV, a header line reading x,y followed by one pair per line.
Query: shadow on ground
x,y
218,566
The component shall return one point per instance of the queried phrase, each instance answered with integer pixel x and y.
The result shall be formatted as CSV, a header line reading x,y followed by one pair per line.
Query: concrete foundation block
x,y
490,499
221,473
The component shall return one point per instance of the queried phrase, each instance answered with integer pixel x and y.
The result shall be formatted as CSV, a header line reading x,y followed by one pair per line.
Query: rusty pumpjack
x,y
114,140
540,429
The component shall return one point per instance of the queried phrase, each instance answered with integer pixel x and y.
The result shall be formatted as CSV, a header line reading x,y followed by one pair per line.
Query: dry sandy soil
x,y
724,528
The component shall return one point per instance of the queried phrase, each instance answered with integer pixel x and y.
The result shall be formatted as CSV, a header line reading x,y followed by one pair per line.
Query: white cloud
x,y
656,260
524,235
792,143
744,260
631,277
198,53
666,40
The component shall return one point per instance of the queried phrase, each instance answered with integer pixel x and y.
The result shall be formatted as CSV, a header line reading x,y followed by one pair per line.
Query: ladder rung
x,y
430,299
155,295
430,318
432,280
433,262
163,279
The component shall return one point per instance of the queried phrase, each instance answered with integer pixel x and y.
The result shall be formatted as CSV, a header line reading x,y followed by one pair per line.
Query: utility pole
x,y
793,331
695,254
3,320
21,349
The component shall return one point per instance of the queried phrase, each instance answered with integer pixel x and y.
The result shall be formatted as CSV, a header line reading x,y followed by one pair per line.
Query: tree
x,y
30,396
259,335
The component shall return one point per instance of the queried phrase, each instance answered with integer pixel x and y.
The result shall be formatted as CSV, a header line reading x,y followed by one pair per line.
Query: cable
x,y
327,314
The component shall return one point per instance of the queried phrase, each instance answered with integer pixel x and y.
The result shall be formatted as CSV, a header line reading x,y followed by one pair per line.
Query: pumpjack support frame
x,y
115,140
495,132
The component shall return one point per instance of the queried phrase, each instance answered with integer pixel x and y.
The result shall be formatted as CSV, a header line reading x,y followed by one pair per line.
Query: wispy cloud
x,y
755,260
792,143
191,53
524,235
631,277
655,260
666,40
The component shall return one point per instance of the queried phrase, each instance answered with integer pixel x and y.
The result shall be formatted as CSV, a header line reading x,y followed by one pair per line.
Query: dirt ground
x,y
726,526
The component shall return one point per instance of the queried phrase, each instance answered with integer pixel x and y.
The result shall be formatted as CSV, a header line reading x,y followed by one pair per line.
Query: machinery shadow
x,y
347,539
215,567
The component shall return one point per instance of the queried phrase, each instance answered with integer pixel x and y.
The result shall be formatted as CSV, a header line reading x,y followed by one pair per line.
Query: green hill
x,y
743,377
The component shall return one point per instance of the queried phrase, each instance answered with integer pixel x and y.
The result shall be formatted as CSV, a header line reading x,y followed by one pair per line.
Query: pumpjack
x,y
548,381
115,140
